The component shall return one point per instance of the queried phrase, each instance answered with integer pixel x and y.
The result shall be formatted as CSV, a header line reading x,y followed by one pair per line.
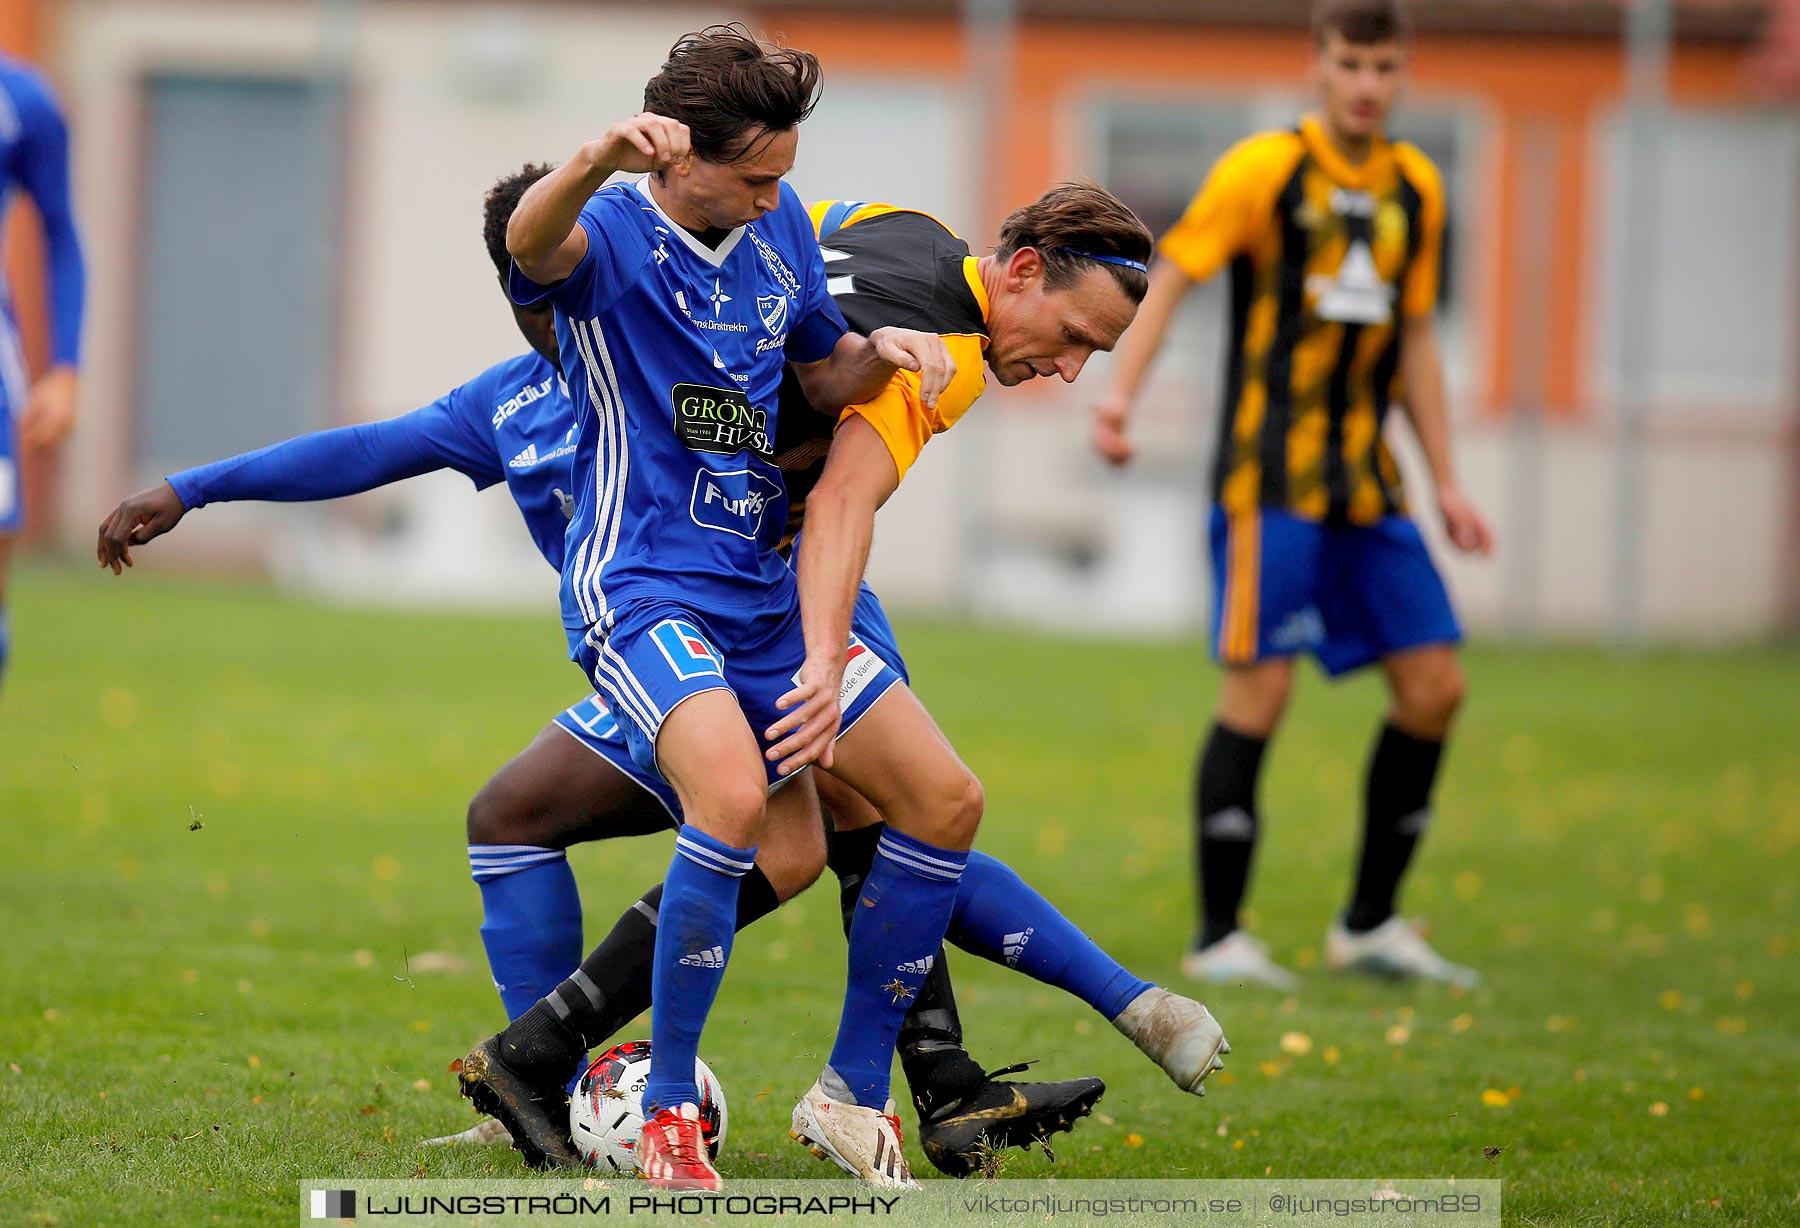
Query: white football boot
x,y
862,1141
1178,1034
489,1132
1237,959
1394,949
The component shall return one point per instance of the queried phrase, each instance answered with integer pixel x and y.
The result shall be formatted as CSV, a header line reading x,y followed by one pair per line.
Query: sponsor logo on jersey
x,y
733,502
685,649
712,957
1013,945
520,399
531,458
776,265
918,967
719,420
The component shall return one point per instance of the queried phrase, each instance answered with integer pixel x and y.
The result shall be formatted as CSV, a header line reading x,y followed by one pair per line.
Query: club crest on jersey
x,y
772,310
685,649
861,666
734,502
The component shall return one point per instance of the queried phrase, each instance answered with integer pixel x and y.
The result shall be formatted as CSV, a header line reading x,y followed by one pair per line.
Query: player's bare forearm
x,y
1137,349
544,236
859,368
1139,346
834,549
1423,367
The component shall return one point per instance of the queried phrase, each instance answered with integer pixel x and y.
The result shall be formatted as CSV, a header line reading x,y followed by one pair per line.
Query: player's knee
x,y
960,815
731,809
796,867
502,813
1431,699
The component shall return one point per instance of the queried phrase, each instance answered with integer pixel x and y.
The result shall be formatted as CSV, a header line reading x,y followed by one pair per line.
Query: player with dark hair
x,y
680,298
34,156
577,781
1334,238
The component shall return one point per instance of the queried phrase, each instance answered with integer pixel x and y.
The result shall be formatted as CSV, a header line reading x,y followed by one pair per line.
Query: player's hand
x,y
1109,436
812,716
925,353
1467,530
50,410
647,142
146,515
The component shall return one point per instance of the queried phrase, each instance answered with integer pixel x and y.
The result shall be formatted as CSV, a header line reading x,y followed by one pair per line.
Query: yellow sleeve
x,y
1229,213
1419,294
901,418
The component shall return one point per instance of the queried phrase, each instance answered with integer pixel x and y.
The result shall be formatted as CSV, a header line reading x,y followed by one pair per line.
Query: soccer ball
x,y
606,1114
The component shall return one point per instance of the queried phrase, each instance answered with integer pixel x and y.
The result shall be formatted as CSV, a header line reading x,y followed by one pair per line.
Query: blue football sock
x,y
531,919
900,920
5,641
694,929
1000,917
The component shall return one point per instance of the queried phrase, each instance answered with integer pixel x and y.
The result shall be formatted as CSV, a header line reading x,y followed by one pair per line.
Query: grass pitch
x,y
240,940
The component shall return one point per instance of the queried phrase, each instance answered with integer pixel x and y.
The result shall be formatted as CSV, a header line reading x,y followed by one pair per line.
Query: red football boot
x,y
671,1153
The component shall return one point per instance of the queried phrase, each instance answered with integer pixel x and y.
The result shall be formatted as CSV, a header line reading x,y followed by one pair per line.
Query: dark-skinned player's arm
x,y
346,460
859,475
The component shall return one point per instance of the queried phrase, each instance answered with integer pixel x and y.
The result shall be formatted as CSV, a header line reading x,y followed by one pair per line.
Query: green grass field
x,y
240,940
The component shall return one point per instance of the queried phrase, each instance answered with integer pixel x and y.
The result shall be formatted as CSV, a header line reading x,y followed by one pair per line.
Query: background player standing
x,y
1334,238
34,156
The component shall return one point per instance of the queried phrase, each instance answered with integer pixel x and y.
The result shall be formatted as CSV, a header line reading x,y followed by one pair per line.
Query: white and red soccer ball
x,y
606,1113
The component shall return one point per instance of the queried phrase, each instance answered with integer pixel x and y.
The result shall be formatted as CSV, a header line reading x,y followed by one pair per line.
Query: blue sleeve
x,y
617,249
820,322
44,174
349,459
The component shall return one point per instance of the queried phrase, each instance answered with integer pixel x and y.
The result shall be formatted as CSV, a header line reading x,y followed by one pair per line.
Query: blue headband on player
x,y
1121,261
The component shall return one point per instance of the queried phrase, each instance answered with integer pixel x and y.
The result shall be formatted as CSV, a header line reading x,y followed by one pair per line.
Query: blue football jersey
x,y
522,407
675,353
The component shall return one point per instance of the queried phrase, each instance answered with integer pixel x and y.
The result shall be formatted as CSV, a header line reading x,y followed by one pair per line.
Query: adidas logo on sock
x,y
1013,945
712,957
919,966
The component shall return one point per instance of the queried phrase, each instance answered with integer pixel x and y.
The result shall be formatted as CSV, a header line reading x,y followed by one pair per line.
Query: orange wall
x,y
1513,80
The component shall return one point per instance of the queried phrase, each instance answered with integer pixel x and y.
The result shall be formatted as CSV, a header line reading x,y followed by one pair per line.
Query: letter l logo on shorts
x,y
686,650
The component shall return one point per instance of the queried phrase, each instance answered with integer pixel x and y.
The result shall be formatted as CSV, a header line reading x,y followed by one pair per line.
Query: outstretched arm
x,y
324,465
859,476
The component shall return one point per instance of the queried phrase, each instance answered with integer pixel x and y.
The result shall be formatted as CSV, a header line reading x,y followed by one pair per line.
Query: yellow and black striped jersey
x,y
888,268
1326,258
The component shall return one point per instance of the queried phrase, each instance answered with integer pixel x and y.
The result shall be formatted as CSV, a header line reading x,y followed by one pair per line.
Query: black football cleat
x,y
535,1113
960,1137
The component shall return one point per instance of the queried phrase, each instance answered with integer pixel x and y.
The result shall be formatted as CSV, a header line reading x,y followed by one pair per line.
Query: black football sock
x,y
1225,813
1397,809
612,986
938,1069
851,854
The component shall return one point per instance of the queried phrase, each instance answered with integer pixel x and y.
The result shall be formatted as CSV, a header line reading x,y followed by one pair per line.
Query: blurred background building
x,y
281,204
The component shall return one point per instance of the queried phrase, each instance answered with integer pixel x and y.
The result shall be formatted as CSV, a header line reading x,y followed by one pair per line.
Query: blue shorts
x,y
1348,594
590,723
12,495
652,655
